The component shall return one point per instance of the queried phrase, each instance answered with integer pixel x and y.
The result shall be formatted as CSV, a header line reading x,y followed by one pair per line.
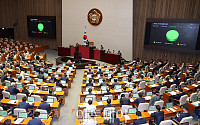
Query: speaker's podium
x,y
77,57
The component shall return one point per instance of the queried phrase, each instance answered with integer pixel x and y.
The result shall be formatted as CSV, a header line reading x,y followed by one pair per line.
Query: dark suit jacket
x,y
89,84
25,91
107,93
158,117
110,121
59,84
11,79
104,84
182,115
115,83
25,105
99,72
40,76
140,121
125,101
105,106
35,121
3,78
45,106
139,100
13,90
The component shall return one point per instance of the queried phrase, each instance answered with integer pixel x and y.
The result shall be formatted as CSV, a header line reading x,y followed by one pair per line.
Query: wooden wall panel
x,y
12,10
169,9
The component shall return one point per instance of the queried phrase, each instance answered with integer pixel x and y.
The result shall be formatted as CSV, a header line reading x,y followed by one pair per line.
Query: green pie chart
x,y
40,27
172,35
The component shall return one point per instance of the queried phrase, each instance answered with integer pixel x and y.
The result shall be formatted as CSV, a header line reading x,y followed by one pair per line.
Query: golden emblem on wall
x,y
95,17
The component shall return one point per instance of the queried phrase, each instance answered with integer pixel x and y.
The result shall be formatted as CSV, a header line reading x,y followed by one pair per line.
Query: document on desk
x,y
147,97
44,84
131,100
85,93
172,93
19,120
150,112
196,103
127,117
99,103
1,118
195,85
13,101
186,88
137,80
93,92
38,91
154,85
173,110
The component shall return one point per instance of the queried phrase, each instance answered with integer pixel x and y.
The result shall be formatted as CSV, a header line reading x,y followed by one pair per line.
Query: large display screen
x,y
42,26
172,35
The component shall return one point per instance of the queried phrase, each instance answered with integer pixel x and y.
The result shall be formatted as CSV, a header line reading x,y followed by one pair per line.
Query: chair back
x,y
143,106
91,96
166,122
37,97
186,120
160,103
162,90
142,85
16,110
173,86
6,94
108,110
183,99
87,88
125,108
192,96
109,96
20,96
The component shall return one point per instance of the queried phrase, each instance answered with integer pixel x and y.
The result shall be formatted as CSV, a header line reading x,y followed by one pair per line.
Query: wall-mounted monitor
x,y
172,34
42,26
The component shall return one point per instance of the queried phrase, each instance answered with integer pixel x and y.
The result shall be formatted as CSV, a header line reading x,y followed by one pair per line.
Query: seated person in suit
x,y
99,72
4,77
181,115
108,105
129,82
115,83
19,79
25,91
176,81
158,116
108,92
89,71
24,105
177,97
90,91
155,97
108,51
167,83
139,120
36,120
124,100
7,122
140,99
104,83
53,78
124,90
90,83
12,89
64,77
113,121
45,105
41,75
59,84
11,78
90,106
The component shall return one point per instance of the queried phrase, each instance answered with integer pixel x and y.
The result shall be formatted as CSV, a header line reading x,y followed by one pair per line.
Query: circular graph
x,y
172,35
40,27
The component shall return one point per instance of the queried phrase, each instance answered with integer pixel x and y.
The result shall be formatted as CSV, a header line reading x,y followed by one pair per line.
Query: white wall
x,y
115,31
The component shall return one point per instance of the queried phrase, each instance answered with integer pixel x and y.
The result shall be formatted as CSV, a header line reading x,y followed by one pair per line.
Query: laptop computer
x,y
43,116
134,77
118,87
58,89
169,105
63,82
56,75
29,79
36,73
13,97
135,96
195,99
31,87
132,111
104,98
100,80
169,89
19,86
30,99
119,74
50,70
124,79
23,115
45,88
149,93
8,84
152,82
28,72
127,72
152,109
40,80
3,113
46,74
103,88
50,101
